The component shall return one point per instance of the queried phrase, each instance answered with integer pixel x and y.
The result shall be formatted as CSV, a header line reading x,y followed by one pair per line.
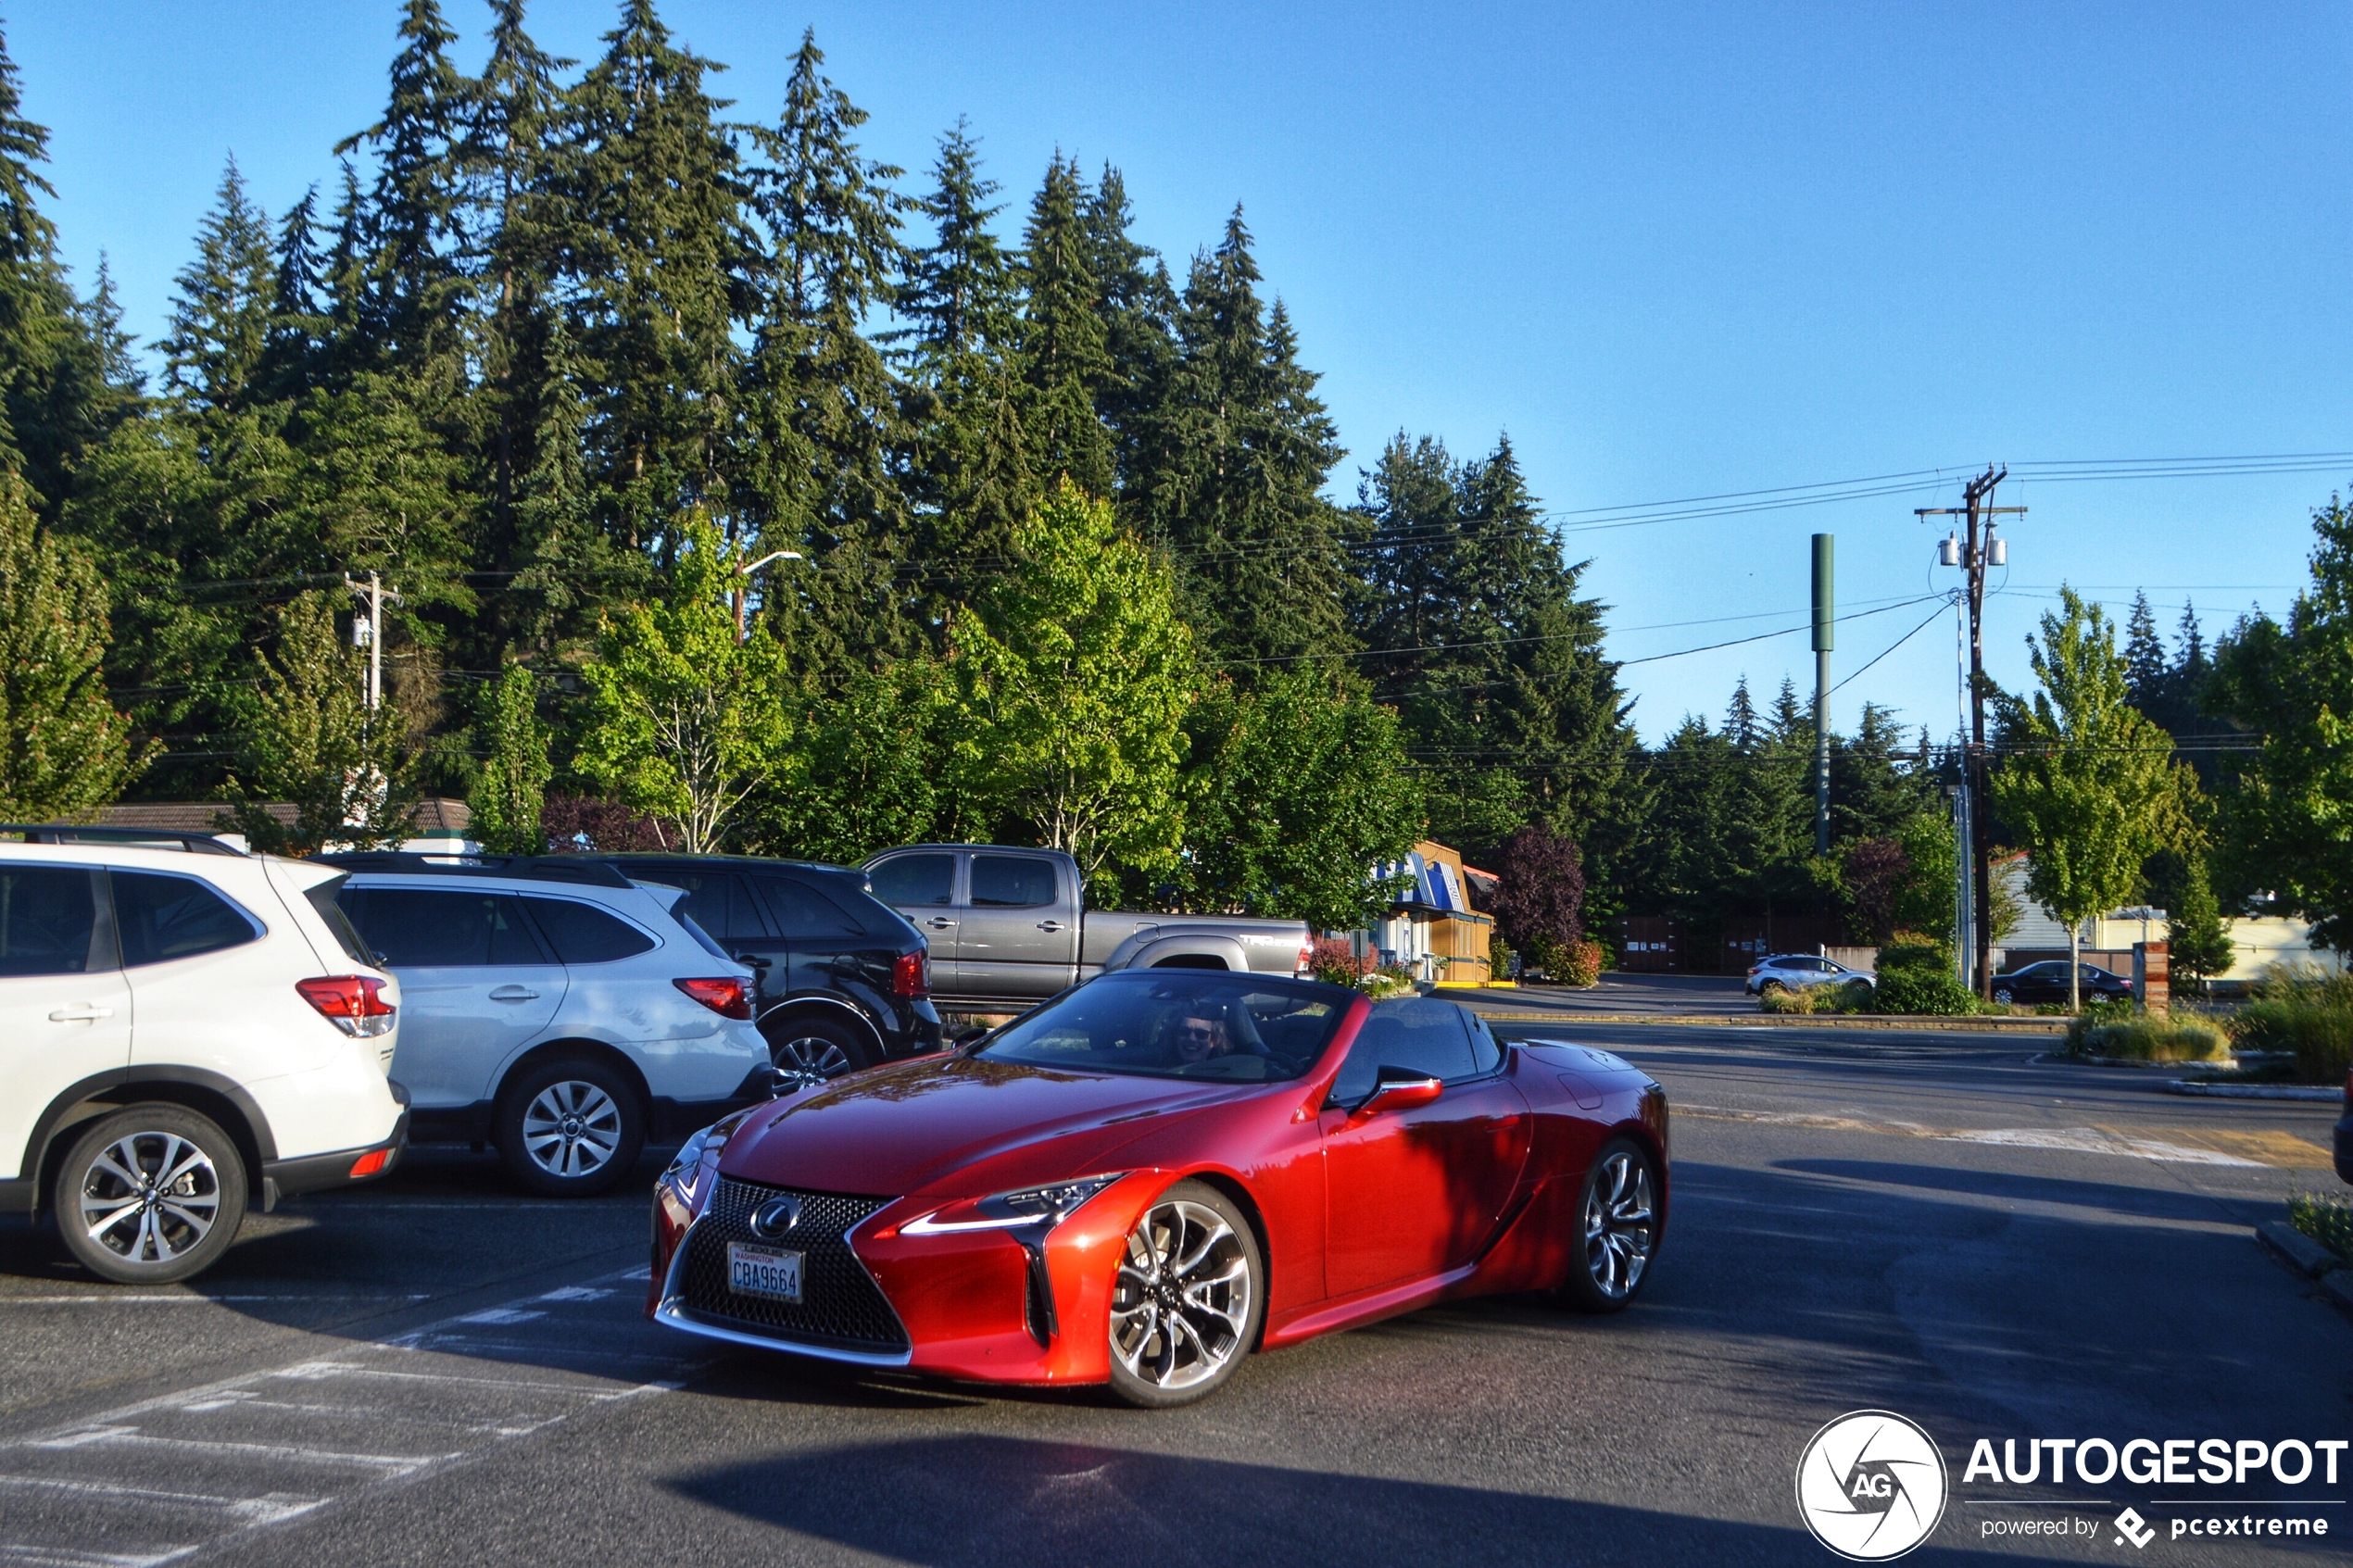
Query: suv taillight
x,y
727,997
910,977
353,1003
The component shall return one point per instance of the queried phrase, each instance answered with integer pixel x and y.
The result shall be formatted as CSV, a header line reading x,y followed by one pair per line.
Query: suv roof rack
x,y
193,841
580,868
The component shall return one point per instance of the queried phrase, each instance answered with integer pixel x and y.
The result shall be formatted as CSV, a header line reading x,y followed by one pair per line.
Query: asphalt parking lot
x,y
437,1370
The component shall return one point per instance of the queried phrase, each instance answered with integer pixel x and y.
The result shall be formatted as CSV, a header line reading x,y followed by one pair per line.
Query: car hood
x,y
902,1129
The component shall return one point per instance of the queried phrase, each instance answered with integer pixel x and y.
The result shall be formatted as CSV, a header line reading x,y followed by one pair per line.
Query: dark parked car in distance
x,y
844,980
2046,981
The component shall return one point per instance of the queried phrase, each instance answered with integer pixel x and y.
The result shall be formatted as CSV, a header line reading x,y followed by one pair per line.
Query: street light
x,y
743,607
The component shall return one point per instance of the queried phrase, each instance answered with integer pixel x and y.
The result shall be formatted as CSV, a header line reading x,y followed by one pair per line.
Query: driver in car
x,y
1200,1037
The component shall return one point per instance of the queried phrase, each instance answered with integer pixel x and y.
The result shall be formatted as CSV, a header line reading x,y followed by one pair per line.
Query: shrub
x,y
1582,965
1787,1001
2327,1218
2138,1037
1919,988
1499,957
1333,961
1544,957
1394,981
2304,1012
1909,952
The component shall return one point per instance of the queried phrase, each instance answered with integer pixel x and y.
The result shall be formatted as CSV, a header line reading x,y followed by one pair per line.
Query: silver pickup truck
x,y
1011,925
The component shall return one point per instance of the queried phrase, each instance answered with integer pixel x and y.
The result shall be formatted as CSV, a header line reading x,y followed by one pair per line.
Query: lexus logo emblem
x,y
776,1217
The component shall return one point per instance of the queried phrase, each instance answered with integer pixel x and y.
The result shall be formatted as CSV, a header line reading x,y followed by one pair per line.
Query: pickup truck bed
x,y
1009,926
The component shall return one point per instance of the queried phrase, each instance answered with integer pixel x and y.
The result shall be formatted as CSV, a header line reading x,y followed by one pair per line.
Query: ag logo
x,y
1870,1486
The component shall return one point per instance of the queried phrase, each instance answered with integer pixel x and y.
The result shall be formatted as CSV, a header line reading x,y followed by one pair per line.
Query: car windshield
x,y
1181,1024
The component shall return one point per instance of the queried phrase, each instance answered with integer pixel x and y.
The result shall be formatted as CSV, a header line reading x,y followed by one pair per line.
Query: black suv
x,y
844,981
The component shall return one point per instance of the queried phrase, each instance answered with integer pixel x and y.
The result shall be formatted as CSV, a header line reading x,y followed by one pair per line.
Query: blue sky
x,y
1673,251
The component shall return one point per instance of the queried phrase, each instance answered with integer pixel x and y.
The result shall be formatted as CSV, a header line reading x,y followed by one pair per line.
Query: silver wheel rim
x,y
1180,1305
810,1060
572,1128
2005,996
1618,1225
150,1198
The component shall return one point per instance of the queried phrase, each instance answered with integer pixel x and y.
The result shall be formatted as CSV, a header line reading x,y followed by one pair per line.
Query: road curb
x,y
2296,1250
2337,1286
2254,1091
1793,1020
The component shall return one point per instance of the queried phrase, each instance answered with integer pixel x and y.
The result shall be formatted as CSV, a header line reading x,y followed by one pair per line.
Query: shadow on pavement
x,y
981,1501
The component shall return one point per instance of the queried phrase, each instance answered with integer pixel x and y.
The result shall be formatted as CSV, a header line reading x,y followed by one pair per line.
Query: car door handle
x,y
1050,926
514,994
940,923
88,1012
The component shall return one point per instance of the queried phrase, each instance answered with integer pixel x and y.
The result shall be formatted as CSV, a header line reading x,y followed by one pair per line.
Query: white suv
x,y
186,1031
556,1009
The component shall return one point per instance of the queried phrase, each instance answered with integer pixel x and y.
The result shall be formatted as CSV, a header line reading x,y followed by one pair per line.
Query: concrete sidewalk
x,y
1703,999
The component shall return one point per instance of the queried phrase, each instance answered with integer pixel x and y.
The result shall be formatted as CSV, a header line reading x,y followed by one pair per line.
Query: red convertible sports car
x,y
1156,1172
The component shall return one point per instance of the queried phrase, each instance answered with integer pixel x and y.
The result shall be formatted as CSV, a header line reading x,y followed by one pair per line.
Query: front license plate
x,y
764,1271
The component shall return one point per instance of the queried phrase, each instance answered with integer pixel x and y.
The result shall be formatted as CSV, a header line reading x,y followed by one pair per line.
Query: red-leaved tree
x,y
1540,905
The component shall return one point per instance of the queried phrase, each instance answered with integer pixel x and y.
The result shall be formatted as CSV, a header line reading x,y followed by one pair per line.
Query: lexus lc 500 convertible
x,y
1157,1172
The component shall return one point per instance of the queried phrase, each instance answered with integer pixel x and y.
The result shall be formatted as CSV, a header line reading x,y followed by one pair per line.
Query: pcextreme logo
x,y
1870,1486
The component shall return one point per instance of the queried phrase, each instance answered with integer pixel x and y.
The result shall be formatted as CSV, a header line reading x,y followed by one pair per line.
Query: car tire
x,y
1151,1366
1618,1229
2004,995
149,1195
1768,987
808,1052
571,1128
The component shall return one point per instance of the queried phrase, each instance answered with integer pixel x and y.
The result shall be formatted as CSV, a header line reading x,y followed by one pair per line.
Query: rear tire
x,y
1618,1229
2004,995
1769,987
571,1128
809,1051
150,1195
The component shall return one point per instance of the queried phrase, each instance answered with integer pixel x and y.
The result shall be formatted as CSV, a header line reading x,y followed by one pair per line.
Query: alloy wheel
x,y
571,1128
150,1197
808,1061
1180,1307
1619,1224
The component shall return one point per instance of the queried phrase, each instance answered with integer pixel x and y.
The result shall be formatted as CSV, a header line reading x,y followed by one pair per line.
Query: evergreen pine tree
x,y
648,234
222,316
1237,453
1063,360
824,402
1137,306
2145,666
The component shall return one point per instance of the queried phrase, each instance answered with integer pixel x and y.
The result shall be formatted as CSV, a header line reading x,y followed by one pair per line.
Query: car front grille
x,y
840,1308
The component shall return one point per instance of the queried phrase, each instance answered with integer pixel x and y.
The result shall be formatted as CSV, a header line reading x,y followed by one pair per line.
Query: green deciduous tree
x,y
2289,822
64,750
2085,781
510,775
1074,675
1298,786
304,736
686,722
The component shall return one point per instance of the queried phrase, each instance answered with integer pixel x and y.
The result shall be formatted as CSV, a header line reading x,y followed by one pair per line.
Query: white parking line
x,y
2074,1140
109,1298
123,1462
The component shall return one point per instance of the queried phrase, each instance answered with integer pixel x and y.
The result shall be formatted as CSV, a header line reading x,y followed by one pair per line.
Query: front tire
x,y
150,1195
571,1129
1188,1299
1618,1229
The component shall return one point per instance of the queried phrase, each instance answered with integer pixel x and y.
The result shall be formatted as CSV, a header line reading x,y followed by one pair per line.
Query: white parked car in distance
x,y
186,1031
556,1009
1800,972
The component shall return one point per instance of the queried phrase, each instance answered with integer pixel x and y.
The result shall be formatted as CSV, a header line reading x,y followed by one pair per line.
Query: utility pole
x,y
370,633
1825,639
1973,550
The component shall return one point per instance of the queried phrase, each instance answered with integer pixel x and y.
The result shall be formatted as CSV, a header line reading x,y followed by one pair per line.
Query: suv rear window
x,y
583,933
48,918
806,911
432,928
321,897
159,917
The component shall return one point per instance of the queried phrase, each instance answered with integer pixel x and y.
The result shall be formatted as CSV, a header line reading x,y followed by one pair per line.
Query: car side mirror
x,y
966,1036
1399,1094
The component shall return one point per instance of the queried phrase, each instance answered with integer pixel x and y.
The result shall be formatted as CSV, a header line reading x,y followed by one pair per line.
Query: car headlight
x,y
698,1155
1048,1205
